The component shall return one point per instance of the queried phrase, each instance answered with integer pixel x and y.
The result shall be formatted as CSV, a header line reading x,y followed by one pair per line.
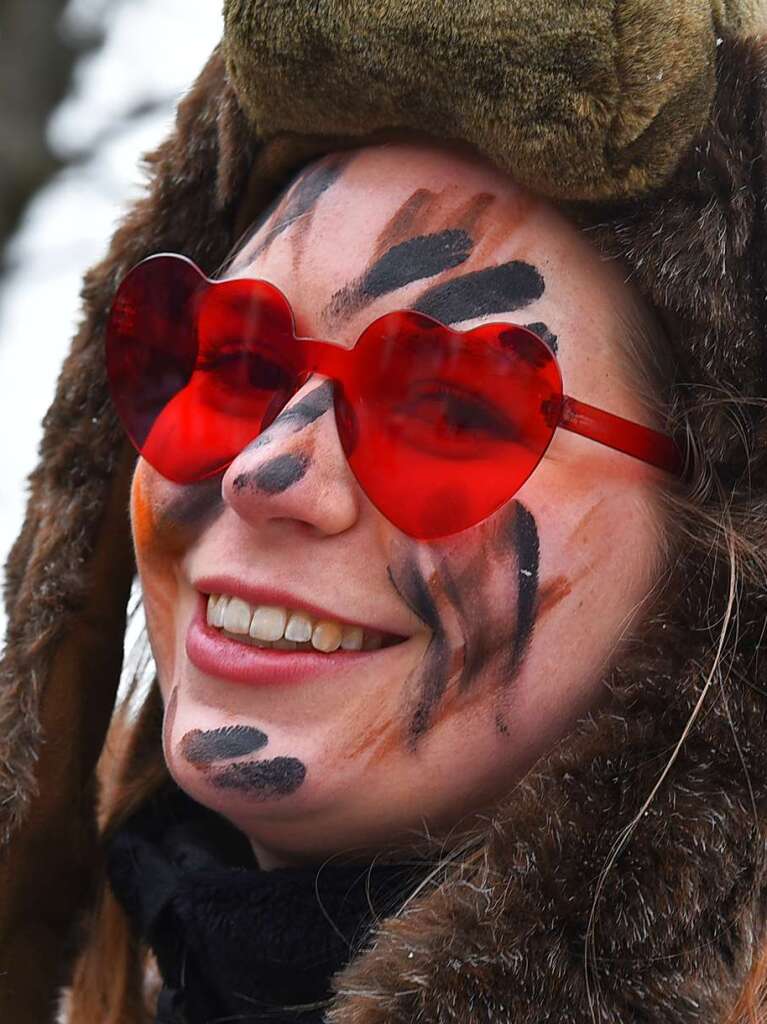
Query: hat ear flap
x,y
70,571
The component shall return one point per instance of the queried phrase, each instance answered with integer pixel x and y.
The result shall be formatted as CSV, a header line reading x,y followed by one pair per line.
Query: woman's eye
x,y
245,367
451,422
455,413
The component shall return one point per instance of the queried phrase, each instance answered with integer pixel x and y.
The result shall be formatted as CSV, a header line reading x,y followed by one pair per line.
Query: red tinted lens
x,y
449,424
197,368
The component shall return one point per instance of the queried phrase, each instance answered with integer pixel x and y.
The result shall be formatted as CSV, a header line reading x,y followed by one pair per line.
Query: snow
x,y
152,52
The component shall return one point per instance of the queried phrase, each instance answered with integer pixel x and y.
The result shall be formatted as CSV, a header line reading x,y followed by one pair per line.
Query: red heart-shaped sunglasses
x,y
440,427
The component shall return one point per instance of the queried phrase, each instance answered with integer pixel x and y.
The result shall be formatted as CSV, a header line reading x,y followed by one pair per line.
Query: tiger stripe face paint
x,y
221,755
469,656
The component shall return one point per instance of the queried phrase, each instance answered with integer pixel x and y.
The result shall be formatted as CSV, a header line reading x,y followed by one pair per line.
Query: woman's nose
x,y
296,469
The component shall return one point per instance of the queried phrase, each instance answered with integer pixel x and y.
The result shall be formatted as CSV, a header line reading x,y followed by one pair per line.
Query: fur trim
x,y
598,104
697,249
677,914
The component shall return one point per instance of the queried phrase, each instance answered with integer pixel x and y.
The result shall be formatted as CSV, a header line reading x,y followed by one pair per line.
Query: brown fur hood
x,y
586,902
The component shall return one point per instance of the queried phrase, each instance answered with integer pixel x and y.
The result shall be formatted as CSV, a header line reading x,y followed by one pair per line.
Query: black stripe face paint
x,y
167,519
527,545
414,591
300,200
260,780
493,290
492,635
275,476
471,605
296,417
545,334
190,509
204,747
256,780
424,256
412,260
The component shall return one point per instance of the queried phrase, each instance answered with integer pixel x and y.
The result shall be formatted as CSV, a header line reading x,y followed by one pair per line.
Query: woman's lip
x,y
218,656
255,595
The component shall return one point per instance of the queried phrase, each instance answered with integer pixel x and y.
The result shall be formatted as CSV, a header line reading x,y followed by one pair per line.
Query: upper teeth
x,y
285,627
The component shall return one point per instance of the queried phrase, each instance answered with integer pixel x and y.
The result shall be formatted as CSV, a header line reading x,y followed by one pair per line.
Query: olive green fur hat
x,y
647,121
575,100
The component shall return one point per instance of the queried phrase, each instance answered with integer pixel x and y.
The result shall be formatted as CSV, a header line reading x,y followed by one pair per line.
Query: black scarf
x,y
234,943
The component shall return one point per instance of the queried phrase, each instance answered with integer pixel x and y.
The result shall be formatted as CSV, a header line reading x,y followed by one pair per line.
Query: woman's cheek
x,y
476,595
167,520
155,561
599,564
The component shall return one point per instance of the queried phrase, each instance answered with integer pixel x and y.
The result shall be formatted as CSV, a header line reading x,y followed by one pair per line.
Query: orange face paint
x,y
552,592
158,582
167,520
141,513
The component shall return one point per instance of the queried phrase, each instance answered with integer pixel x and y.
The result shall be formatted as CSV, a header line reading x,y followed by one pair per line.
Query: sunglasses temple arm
x,y
625,436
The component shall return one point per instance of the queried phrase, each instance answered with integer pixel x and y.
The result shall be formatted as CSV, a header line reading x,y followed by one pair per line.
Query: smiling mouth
x,y
283,629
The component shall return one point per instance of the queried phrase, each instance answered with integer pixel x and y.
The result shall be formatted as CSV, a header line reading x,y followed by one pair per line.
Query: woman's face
x,y
508,626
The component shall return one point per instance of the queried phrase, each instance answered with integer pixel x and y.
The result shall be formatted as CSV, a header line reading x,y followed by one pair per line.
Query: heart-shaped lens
x,y
450,424
440,427
151,340
197,368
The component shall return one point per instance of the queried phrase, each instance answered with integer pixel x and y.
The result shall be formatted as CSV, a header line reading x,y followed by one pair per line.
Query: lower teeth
x,y
285,645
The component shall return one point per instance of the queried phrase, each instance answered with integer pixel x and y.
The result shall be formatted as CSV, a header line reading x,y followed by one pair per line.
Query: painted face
x,y
505,629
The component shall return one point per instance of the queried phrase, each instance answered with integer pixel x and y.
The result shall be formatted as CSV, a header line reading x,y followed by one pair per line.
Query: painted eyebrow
x,y
417,258
412,260
499,289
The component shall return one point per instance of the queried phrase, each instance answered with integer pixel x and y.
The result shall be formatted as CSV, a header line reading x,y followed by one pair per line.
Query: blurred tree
x,y
37,57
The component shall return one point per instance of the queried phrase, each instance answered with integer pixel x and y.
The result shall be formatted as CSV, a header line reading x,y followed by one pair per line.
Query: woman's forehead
x,y
361,233
412,188
415,226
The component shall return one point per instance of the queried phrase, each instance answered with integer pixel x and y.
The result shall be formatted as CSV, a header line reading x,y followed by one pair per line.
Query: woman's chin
x,y
283,828
249,789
